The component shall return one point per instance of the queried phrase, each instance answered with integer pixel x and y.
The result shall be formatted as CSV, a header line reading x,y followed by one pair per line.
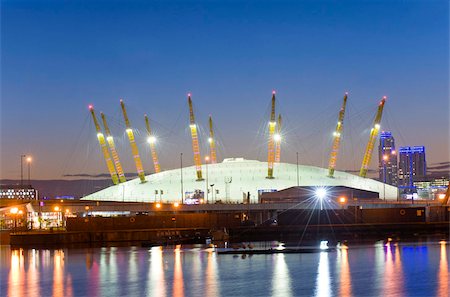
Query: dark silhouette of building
x,y
412,166
387,159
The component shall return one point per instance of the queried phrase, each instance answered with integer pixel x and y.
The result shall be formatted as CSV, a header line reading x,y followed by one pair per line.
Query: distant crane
x,y
337,138
101,141
270,150
151,140
195,146
134,148
372,139
112,148
212,142
277,139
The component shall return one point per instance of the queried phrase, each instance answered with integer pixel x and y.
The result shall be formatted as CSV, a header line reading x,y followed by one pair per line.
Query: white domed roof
x,y
232,179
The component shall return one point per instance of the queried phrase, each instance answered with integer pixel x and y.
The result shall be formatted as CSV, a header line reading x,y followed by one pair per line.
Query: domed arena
x,y
230,181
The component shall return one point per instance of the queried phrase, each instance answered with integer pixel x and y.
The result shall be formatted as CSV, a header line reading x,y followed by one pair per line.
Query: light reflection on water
x,y
378,270
281,279
345,280
443,290
323,288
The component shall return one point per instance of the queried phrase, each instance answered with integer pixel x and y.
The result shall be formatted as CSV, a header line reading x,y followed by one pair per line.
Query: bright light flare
x,y
151,139
129,130
280,247
56,208
176,204
29,159
441,196
158,205
14,210
385,157
377,126
324,244
210,139
342,199
321,193
277,137
109,138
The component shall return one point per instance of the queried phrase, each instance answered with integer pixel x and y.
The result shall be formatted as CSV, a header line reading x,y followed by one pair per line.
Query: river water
x,y
369,270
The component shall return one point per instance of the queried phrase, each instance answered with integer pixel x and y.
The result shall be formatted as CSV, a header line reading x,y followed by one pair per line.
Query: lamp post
x,y
29,159
181,177
297,172
21,169
385,158
57,210
212,193
206,164
342,201
13,211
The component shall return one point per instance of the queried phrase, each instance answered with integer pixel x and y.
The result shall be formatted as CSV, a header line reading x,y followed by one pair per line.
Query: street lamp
x,y
29,159
21,169
342,201
385,158
321,193
212,193
13,211
206,164
57,209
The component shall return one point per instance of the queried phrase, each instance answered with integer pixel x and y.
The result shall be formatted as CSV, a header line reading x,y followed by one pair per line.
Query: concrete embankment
x,y
352,223
102,238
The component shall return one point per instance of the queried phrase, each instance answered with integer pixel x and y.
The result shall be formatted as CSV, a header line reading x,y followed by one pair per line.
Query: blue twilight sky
x,y
59,56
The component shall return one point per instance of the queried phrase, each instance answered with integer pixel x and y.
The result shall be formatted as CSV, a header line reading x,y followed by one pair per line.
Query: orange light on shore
x,y
158,205
342,199
20,212
176,204
441,196
14,210
56,208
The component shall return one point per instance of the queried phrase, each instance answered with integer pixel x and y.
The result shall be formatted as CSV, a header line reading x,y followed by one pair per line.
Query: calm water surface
x,y
371,270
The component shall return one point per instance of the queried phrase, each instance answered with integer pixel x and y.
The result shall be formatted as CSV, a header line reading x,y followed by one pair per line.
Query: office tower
x,y
412,165
387,159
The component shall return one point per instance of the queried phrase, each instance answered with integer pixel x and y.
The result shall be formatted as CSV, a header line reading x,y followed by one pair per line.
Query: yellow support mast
x,y
271,151
337,138
195,146
134,148
101,141
372,138
212,142
112,148
151,140
277,139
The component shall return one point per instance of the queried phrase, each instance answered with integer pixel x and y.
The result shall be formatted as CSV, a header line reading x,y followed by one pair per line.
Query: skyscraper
x,y
412,165
387,159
